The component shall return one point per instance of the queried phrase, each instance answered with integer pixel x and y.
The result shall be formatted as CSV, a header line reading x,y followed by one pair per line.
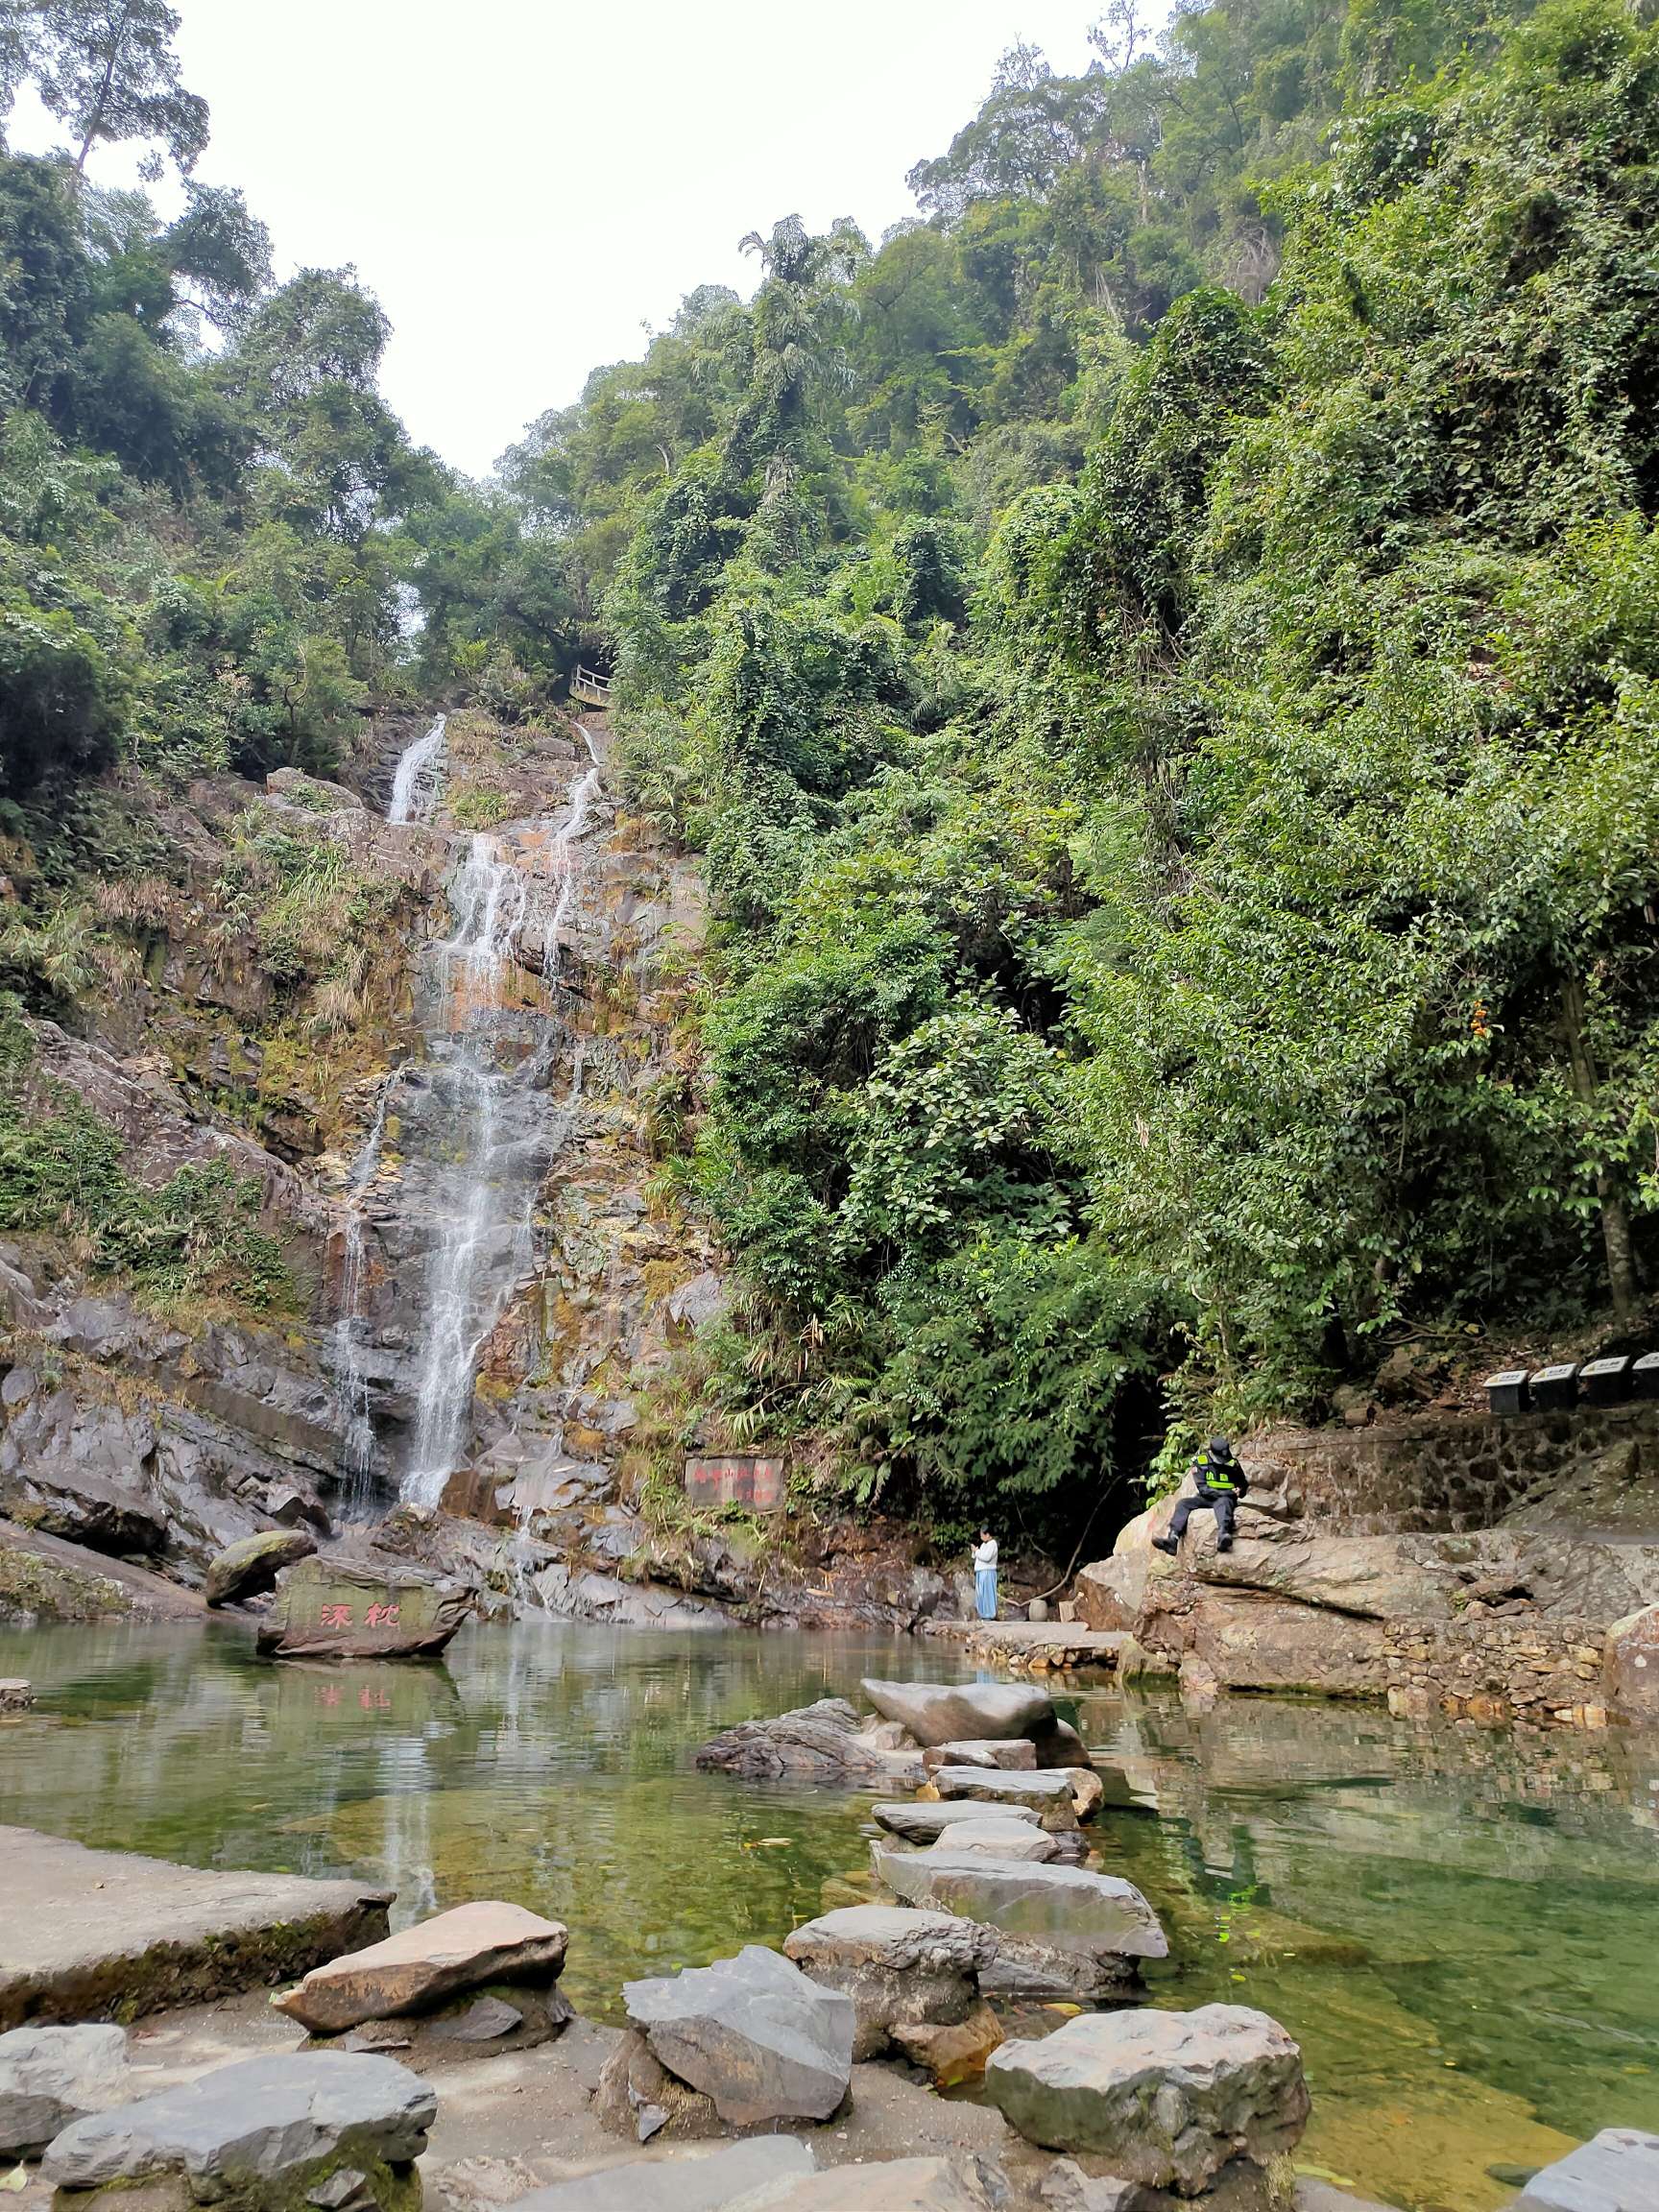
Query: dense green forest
x,y
1158,658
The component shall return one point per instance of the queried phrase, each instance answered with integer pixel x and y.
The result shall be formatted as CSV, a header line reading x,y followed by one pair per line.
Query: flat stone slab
x,y
420,1966
891,2185
243,2130
705,2184
949,1713
1062,1907
924,1820
1007,1754
86,1933
1167,2098
1617,2171
1021,1840
754,2033
52,2075
1048,1794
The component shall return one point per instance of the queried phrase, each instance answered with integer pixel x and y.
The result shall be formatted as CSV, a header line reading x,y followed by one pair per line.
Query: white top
x,y
985,1554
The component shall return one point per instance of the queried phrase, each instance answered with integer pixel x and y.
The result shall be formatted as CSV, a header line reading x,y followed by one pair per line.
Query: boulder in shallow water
x,y
1021,1840
898,1967
1048,1794
261,2135
16,1694
948,1712
1617,2171
821,1743
251,1566
754,2033
420,1966
338,1608
923,1821
1100,1920
1007,1755
50,2077
1164,2098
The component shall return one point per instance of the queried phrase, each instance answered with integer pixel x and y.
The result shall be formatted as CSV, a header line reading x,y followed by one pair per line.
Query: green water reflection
x,y
1462,1928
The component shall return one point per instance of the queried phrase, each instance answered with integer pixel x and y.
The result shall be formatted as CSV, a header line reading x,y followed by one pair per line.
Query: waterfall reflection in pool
x,y
1458,1925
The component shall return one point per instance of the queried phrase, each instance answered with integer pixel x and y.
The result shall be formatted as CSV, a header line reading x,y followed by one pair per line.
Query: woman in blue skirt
x,y
985,1576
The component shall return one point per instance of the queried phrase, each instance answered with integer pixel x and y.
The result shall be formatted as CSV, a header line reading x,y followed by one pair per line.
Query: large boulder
x,y
261,2136
50,2077
821,1743
1617,2171
710,2183
900,1968
1050,1795
251,1565
923,1821
1165,2098
420,1966
1063,1931
339,1608
1630,1666
754,2033
948,1713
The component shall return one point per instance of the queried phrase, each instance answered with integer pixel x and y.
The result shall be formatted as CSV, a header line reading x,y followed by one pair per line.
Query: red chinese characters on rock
x,y
381,1616
334,1617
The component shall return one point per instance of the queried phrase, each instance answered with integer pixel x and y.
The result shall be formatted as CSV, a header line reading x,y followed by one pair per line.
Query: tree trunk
x,y
103,100
1615,1214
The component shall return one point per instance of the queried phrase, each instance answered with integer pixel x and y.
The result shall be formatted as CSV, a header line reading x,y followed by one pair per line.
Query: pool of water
x,y
1460,1926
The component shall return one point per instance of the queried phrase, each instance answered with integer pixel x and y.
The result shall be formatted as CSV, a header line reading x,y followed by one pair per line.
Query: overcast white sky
x,y
523,182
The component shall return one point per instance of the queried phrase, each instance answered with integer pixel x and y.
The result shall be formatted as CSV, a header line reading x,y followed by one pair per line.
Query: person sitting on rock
x,y
1220,1483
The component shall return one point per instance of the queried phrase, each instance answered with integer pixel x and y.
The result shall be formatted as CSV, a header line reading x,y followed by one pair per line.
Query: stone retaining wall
x,y
1448,1472
1498,1670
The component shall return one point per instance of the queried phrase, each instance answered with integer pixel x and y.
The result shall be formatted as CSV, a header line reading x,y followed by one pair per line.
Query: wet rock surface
x,y
50,2077
1064,1929
753,2033
819,1742
423,1964
898,1967
1168,2099
1048,1794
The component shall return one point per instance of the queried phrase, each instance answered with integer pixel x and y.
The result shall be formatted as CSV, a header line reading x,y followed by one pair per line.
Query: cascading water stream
x,y
476,1132
419,775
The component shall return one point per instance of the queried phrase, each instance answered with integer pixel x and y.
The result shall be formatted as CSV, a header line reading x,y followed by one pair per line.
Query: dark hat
x,y
1219,1448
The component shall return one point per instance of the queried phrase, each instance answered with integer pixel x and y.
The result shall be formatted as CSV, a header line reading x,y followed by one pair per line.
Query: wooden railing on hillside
x,y
589,689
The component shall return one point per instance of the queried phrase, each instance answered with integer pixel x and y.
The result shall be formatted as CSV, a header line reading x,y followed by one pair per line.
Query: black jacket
x,y
1206,1470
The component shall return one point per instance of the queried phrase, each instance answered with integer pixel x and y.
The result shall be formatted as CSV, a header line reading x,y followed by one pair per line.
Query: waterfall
x,y
415,784
489,1135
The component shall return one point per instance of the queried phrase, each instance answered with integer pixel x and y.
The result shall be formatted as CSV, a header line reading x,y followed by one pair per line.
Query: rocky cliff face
x,y
287,1011
1458,1560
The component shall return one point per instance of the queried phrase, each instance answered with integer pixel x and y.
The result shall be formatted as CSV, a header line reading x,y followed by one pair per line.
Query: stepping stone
x,y
264,2132
1048,1794
1617,2171
1063,1909
1010,1755
959,2185
754,2033
689,2184
897,1967
949,1713
50,2077
420,1966
1166,2099
923,1821
1020,1840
